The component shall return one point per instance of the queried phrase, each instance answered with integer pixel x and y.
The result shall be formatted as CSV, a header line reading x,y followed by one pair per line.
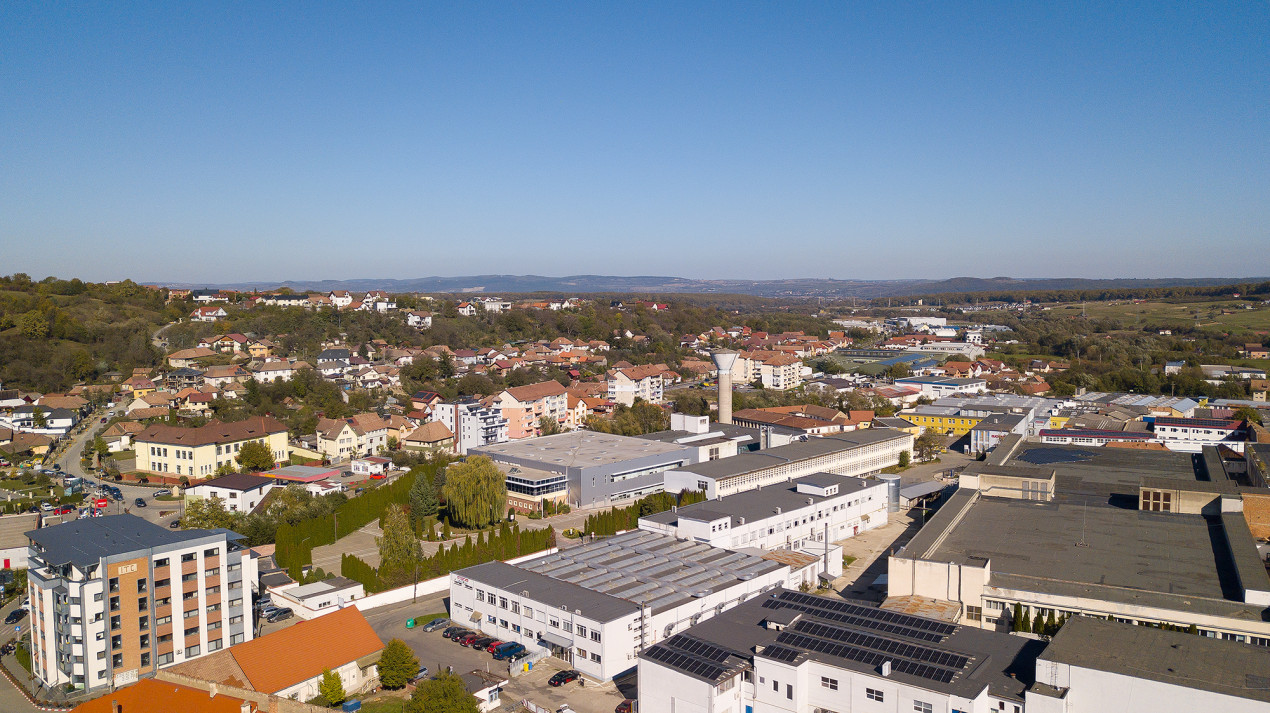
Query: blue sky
x,y
229,142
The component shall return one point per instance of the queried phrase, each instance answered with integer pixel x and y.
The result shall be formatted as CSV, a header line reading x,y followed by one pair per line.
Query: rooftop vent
x,y
886,668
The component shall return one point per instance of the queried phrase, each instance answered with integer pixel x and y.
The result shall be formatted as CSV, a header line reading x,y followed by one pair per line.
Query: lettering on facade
x,y
126,568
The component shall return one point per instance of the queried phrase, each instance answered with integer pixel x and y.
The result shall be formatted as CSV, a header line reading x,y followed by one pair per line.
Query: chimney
x,y
115,707
886,669
212,690
723,360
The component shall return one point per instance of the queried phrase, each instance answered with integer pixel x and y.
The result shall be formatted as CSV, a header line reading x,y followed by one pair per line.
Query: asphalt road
x,y
157,512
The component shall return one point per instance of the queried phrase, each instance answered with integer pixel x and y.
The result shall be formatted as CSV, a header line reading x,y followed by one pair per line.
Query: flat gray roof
x,y
614,576
999,422
729,431
580,449
761,503
1227,667
85,542
813,447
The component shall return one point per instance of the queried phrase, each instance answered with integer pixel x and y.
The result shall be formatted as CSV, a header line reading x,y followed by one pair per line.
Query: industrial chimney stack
x,y
723,360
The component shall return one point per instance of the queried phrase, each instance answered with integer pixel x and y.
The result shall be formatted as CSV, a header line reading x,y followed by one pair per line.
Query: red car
x,y
494,645
377,476
63,510
467,639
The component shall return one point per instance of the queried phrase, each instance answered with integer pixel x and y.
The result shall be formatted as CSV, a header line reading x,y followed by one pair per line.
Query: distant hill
x,y
654,284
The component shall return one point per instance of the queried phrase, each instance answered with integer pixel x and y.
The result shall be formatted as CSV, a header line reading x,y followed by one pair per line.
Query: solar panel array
x,y
868,657
689,664
781,653
698,647
881,620
877,643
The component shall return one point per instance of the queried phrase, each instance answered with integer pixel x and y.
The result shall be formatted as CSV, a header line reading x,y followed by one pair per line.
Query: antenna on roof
x,y
1084,515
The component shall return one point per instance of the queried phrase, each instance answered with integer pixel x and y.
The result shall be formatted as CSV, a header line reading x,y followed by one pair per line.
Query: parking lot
x,y
437,653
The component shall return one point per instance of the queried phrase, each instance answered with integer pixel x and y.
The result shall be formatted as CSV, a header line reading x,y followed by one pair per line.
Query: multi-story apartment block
x,y
523,406
776,370
116,598
200,452
637,382
474,423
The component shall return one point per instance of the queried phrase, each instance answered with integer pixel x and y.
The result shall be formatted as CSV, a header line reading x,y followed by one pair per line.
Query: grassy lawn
x,y
847,560
1207,313
124,455
23,656
384,705
167,498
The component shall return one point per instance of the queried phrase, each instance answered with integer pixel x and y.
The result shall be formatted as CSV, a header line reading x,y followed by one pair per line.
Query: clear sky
x,y
225,142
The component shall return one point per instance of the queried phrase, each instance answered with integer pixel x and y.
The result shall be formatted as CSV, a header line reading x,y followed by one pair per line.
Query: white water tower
x,y
723,360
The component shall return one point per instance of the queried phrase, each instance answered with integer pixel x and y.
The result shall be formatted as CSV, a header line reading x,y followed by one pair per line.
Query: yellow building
x,y
200,452
942,422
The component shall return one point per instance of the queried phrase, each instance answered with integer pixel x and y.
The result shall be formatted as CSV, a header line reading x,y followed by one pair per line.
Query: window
x,y
145,659
165,638
141,585
117,660
921,707
553,623
480,595
529,612
235,620
595,657
161,563
114,604
191,614
789,691
116,642
974,613
187,557
567,626
214,645
143,623
502,602
192,651
873,694
159,621
581,654
235,639
830,683
776,686
189,577
515,607
502,623
595,634
212,552
581,631
1157,501
145,641
114,623
162,583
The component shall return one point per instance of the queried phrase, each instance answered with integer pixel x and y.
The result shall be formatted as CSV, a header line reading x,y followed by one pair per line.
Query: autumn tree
x,y
331,687
475,492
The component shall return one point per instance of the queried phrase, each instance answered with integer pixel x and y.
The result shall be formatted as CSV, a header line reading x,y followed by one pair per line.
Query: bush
x,y
397,664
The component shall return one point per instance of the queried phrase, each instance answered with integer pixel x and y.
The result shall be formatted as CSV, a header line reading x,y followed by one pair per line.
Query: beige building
x,y
636,382
200,452
1145,537
775,370
362,435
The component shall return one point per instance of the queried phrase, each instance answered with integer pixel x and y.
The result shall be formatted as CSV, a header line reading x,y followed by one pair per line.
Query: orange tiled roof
x,y
151,696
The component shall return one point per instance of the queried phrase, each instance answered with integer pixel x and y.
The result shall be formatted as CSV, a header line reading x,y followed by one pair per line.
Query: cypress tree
x,y
1018,617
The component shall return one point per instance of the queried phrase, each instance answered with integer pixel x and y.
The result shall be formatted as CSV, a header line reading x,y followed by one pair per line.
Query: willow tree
x,y
475,492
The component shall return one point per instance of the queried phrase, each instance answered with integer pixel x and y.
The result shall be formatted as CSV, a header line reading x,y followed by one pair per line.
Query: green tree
x,y
331,687
397,664
255,456
33,325
475,492
99,445
548,426
1051,624
207,513
423,498
1038,623
38,419
1018,617
399,550
905,459
1249,414
443,694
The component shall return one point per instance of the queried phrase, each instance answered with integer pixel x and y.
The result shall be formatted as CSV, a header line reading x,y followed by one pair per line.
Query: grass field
x,y
1224,315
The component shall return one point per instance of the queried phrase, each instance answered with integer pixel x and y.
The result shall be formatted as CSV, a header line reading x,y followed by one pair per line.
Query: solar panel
x,y
684,662
865,617
698,647
891,646
781,653
869,657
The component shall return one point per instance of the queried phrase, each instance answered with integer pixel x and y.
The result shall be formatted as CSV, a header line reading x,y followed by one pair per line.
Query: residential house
x,y
200,452
473,422
118,436
371,465
240,492
1255,351
188,358
210,313
261,348
467,309
340,298
523,406
419,319
361,435
38,419
226,343
290,662
430,436
222,375
278,370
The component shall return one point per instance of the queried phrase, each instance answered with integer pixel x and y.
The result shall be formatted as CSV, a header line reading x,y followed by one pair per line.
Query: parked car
x,y
522,654
564,708
46,506
626,706
280,615
493,645
508,650
15,616
458,635
563,677
435,624
421,674
139,502
26,604
451,631
63,510
160,492
481,642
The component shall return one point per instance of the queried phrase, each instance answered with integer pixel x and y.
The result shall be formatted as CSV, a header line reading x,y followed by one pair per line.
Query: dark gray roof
x,y
999,422
85,542
760,503
730,432
991,657
236,481
1227,667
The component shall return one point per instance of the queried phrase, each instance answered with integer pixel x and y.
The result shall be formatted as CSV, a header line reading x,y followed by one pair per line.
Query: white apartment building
x,y
637,382
361,435
1192,434
854,453
473,424
115,598
598,605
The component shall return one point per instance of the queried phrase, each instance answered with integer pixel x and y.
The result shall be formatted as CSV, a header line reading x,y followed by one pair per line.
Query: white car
x,y
26,604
